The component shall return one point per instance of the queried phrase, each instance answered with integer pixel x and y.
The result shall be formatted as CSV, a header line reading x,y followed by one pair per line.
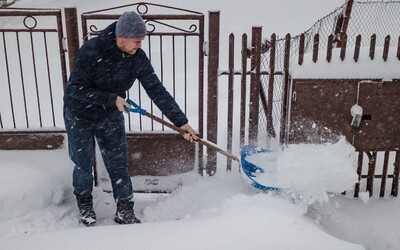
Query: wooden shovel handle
x,y
199,140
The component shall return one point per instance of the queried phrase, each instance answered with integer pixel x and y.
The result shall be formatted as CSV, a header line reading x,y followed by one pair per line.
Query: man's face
x,y
129,45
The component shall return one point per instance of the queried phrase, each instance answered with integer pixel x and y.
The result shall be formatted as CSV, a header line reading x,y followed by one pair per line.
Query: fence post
x,y
286,92
384,174
372,47
301,49
329,48
71,23
343,39
201,95
255,84
396,175
212,95
398,49
371,171
315,48
386,48
359,172
271,81
243,83
357,48
347,14
343,23
230,96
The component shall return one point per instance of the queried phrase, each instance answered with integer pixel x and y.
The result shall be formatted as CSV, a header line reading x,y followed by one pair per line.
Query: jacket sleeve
x,y
159,95
80,84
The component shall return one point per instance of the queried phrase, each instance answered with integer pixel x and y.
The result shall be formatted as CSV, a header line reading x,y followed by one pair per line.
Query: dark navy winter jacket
x,y
102,72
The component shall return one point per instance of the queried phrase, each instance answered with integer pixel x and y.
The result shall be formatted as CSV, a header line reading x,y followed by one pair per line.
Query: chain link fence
x,y
366,18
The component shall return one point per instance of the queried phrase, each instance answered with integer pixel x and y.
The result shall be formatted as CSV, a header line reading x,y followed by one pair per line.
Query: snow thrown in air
x,y
311,171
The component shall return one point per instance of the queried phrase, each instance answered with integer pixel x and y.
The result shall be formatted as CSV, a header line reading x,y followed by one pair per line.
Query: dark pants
x,y
111,138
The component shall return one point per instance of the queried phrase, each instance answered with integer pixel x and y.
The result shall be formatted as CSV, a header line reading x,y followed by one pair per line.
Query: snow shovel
x,y
249,170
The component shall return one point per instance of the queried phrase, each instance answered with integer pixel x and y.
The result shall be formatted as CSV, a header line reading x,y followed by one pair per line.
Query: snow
x,y
27,178
347,69
38,209
312,170
220,212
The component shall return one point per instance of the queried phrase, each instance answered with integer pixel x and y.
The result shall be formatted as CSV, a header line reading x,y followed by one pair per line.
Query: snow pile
x,y
220,212
196,198
375,223
309,171
34,178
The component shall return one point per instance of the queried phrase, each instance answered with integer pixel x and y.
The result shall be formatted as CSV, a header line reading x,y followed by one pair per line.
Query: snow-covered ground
x,y
38,210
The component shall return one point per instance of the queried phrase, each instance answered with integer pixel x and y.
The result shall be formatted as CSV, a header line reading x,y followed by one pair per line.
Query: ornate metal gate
x,y
174,41
33,73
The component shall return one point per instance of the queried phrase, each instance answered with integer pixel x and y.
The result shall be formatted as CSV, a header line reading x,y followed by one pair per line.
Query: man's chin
x,y
132,52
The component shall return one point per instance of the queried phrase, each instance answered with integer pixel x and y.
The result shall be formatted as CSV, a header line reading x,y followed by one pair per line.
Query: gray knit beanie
x,y
130,25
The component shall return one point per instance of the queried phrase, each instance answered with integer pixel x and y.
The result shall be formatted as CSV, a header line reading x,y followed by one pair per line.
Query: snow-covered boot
x,y
125,213
85,205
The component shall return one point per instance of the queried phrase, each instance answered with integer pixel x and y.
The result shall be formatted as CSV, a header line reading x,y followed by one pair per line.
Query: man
x,y
106,67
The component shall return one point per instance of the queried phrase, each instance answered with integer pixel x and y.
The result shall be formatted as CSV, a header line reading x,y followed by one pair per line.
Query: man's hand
x,y
121,103
190,135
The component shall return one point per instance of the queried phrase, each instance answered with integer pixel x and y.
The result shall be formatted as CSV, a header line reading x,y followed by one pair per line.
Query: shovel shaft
x,y
216,148
199,140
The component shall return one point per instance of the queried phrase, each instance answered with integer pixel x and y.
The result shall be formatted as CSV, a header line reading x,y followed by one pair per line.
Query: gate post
x,y
212,94
71,22
255,83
